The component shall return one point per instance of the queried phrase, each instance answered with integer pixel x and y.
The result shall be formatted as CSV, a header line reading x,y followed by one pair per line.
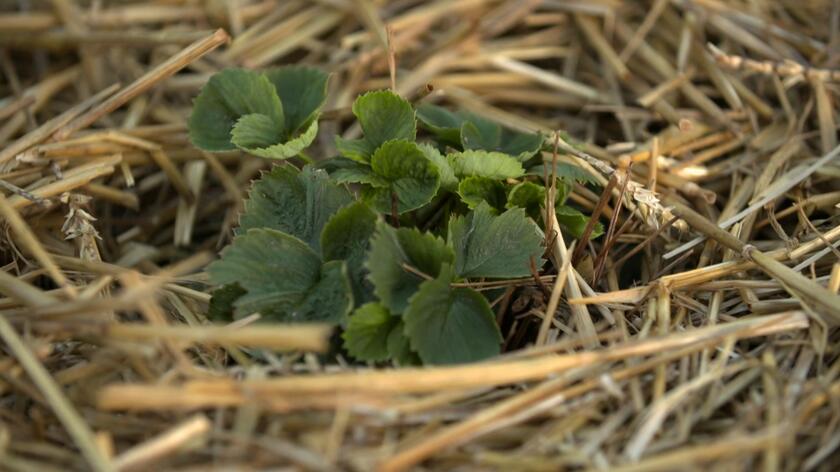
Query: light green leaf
x,y
575,222
412,177
385,116
366,336
390,249
448,181
493,165
302,90
224,99
495,246
475,190
280,150
451,325
298,203
283,277
346,236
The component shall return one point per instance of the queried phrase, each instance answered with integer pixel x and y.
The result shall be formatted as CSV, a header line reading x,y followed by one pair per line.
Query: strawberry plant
x,y
383,239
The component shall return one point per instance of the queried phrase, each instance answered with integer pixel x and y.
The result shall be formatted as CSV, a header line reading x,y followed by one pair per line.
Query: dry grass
x,y
701,331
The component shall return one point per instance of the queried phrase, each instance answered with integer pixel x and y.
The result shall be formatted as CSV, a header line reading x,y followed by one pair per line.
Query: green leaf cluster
x,y
385,239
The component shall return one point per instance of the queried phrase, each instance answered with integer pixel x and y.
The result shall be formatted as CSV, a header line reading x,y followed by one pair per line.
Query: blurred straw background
x,y
664,352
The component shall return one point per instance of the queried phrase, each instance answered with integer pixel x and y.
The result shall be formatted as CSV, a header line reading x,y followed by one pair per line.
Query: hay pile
x,y
677,345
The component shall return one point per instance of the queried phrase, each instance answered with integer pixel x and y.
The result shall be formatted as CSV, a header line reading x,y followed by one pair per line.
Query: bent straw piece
x,y
163,71
815,293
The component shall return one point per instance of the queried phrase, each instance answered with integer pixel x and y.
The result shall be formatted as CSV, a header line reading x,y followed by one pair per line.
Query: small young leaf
x,y
298,203
451,325
565,171
390,248
448,181
411,177
368,330
529,196
575,222
495,246
474,190
493,165
255,131
346,236
303,91
225,98
283,277
254,144
221,302
385,116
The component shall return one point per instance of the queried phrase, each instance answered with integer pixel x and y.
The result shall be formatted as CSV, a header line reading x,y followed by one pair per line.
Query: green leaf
x,y
565,171
385,116
303,91
529,196
412,177
346,236
257,145
444,124
298,203
495,246
283,277
390,248
575,222
255,131
366,337
221,302
399,346
226,97
493,165
353,172
480,133
451,325
358,150
448,181
475,190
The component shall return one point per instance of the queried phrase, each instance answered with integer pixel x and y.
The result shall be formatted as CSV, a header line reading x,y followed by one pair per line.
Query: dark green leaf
x,y
481,133
303,91
353,172
225,98
474,190
366,337
495,246
411,177
385,116
358,150
298,203
575,222
399,346
493,165
390,248
283,277
346,236
221,302
451,325
441,122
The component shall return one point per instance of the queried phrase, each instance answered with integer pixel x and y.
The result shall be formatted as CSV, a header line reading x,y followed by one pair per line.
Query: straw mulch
x,y
661,355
